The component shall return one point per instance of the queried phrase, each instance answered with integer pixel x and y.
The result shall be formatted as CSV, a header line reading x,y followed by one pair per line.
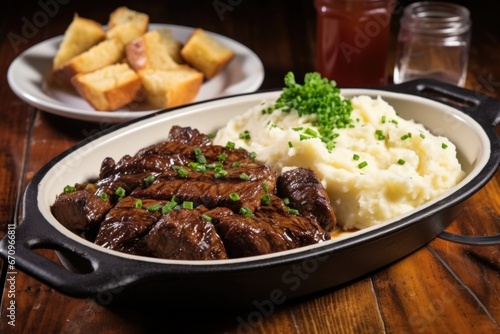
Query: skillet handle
x,y
484,109
98,279
490,240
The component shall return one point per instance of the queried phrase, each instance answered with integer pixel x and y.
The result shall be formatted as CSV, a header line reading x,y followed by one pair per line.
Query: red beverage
x,y
353,41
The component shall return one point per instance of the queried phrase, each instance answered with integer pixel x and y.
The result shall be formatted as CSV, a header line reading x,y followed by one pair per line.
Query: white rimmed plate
x,y
28,72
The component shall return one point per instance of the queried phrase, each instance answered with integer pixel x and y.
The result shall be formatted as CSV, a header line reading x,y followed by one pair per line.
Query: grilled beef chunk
x,y
127,223
187,135
302,187
185,235
238,208
210,190
80,210
271,229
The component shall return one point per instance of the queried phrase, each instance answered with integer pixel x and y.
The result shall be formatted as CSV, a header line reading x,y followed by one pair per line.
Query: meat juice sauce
x,y
353,40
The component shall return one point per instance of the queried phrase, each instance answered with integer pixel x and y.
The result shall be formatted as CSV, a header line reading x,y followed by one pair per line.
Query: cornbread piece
x,y
108,88
174,46
150,51
126,24
206,54
80,35
105,53
170,88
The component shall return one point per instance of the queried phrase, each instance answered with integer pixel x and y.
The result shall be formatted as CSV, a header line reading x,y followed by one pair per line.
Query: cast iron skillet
x,y
111,277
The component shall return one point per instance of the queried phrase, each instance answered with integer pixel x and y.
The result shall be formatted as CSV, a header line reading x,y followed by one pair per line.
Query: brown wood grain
x,y
443,287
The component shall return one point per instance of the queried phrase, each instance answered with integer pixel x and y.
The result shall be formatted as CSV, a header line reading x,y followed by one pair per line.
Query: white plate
x,y
28,72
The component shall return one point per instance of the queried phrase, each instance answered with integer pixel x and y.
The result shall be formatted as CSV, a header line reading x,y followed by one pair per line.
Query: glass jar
x,y
433,42
353,40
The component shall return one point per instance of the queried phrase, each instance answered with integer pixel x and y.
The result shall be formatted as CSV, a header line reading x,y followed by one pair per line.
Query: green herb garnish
x,y
69,189
318,96
234,197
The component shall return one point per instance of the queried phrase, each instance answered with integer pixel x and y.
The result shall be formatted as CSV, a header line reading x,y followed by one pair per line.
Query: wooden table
x,y
443,287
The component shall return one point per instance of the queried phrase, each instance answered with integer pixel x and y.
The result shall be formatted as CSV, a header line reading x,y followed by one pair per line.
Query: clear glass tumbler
x,y
433,42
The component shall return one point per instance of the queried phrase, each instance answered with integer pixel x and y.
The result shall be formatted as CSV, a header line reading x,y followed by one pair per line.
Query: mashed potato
x,y
382,167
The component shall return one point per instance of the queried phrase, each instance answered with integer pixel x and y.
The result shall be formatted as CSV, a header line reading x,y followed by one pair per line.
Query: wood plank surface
x,y
443,287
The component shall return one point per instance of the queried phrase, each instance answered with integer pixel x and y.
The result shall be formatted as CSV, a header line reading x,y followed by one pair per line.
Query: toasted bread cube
x,y
205,53
173,45
126,24
170,88
150,51
105,53
109,88
80,35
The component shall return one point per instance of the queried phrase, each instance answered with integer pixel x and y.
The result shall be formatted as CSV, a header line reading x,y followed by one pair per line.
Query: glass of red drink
x,y
353,41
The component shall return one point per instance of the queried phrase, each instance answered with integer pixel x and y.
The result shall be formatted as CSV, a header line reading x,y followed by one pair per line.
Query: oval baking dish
x,y
110,276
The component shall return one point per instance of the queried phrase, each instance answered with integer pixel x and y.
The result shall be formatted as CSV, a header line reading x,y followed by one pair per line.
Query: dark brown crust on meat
x,y
224,210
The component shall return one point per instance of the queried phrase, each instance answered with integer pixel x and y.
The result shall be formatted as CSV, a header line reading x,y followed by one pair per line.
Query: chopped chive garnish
x,y
330,146
253,155
401,162
362,164
311,132
206,217
355,157
222,157
244,211
297,129
266,186
138,203
168,207
120,192
187,205
69,189
394,121
266,199
286,201
104,197
293,211
154,208
383,120
444,146
406,136
244,176
304,137
422,136
290,144
236,164
318,96
234,197
199,156
379,134
149,179
245,135
182,172
220,173
200,168
214,165
211,135
230,145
